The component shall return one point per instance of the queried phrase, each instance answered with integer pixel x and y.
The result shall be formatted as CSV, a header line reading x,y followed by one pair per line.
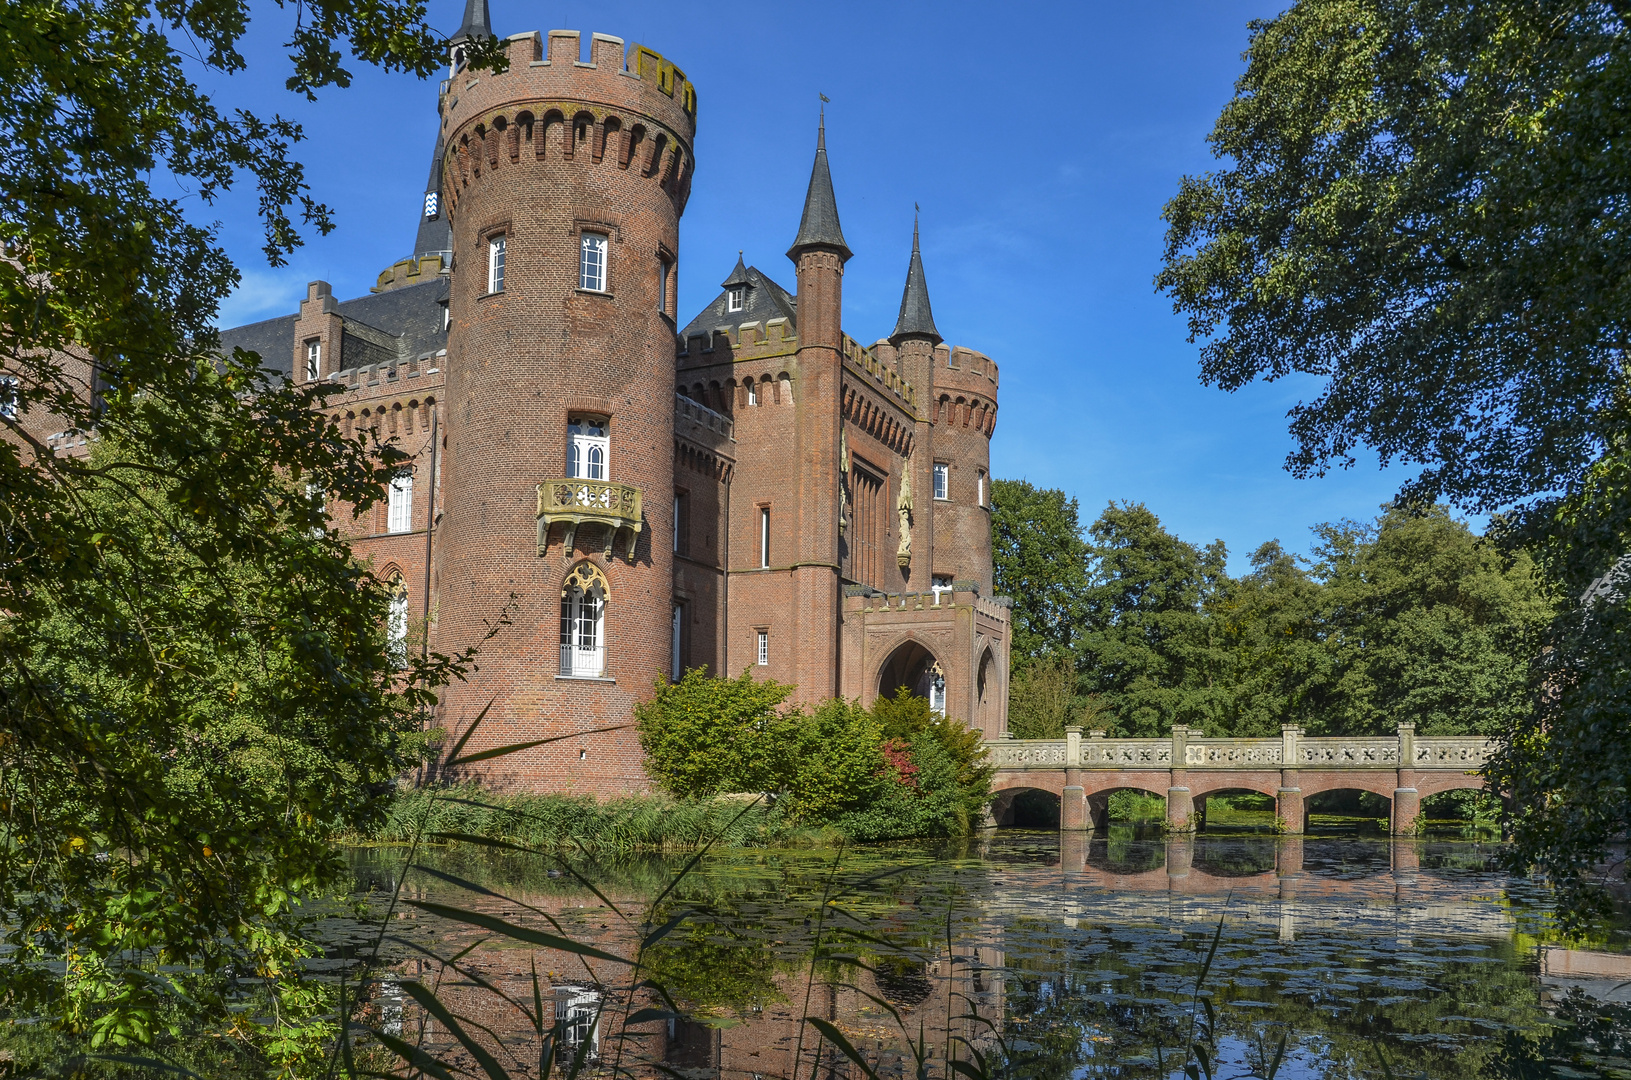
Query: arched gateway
x,y
1403,768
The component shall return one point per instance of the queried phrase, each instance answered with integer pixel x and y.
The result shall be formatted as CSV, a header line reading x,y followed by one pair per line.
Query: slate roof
x,y
819,226
915,316
435,234
762,301
478,22
398,324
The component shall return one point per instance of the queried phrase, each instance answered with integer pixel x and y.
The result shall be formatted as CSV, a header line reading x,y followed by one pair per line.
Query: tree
x,y
193,684
1423,208
1039,559
1271,628
1151,648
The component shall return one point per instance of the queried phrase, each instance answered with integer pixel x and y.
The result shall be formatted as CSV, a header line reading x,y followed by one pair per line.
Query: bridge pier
x,y
1180,809
1073,815
1288,805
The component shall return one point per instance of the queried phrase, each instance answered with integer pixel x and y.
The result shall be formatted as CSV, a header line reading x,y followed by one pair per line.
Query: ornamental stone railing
x,y
576,501
1292,750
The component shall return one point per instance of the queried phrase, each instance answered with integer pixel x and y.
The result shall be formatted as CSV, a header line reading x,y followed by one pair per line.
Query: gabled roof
x,y
398,324
762,300
819,227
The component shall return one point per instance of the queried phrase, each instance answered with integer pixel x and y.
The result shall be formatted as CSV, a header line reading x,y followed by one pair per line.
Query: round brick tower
x,y
564,183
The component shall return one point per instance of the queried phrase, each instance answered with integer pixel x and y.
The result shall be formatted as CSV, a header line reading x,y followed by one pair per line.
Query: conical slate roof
x,y
819,228
739,276
435,234
478,22
916,318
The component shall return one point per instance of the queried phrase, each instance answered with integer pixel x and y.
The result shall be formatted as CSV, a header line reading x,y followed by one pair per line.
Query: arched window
x,y
396,624
583,622
588,447
937,690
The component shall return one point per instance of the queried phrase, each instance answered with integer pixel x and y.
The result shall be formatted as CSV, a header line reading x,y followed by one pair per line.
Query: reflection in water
x,y
1057,956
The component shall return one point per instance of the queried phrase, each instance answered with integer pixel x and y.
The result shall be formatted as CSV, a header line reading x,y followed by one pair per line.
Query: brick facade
x,y
766,473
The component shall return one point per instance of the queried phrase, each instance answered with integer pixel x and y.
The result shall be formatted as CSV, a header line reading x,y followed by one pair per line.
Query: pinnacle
x,y
819,227
916,318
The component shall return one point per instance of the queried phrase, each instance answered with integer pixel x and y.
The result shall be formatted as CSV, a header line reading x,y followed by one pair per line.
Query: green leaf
x,y
511,930
432,1004
836,1037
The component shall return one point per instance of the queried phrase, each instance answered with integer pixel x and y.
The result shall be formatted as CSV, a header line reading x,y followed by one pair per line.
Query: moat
x,y
1067,956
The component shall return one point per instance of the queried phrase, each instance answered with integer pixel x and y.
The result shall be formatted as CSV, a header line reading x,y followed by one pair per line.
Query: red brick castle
x,y
752,490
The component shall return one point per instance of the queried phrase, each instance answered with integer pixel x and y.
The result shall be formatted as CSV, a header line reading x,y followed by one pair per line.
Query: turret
x,y
563,182
914,340
819,252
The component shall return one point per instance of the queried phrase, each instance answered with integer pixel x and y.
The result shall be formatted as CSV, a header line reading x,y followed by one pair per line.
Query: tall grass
x,y
577,822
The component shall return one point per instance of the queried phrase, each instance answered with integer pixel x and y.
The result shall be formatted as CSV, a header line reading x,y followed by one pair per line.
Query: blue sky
x,y
1041,141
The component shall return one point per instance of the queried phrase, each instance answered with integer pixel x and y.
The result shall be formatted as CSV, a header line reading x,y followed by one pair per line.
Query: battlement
x,y
864,361
633,111
957,366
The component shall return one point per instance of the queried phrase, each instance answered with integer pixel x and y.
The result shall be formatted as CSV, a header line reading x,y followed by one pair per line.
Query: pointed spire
x,y
478,22
916,319
435,234
739,276
819,227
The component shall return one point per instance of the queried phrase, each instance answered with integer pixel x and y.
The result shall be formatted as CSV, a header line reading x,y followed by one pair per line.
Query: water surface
x,y
1061,956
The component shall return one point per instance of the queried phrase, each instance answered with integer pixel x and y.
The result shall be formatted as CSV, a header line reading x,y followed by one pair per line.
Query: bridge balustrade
x,y
1403,767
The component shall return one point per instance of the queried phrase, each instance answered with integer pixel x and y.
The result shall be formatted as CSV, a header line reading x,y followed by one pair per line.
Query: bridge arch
x,y
1027,807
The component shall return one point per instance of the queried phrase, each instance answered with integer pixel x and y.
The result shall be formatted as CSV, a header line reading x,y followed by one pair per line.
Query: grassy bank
x,y
579,823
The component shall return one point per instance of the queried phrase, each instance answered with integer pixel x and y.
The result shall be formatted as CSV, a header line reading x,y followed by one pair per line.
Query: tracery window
x,y
583,622
589,448
396,625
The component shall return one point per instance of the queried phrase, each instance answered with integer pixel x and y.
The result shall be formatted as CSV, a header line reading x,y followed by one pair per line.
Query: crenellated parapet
x,y
965,390
635,113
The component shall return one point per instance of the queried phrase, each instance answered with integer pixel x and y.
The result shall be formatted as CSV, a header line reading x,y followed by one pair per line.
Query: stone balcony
x,y
575,502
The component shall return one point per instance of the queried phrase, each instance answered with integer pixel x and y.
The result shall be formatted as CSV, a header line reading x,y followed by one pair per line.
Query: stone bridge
x,y
1403,768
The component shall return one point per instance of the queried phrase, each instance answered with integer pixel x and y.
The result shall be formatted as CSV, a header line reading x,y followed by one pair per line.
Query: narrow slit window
x,y
980,489
764,536
663,272
764,647
495,264
592,263
314,360
675,631
942,480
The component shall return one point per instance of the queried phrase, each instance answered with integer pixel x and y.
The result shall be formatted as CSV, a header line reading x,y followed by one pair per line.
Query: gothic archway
x,y
914,667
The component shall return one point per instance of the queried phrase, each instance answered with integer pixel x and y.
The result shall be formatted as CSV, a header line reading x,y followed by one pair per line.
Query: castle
x,y
751,490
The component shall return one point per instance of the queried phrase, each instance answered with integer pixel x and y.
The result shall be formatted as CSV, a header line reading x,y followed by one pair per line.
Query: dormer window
x,y
733,298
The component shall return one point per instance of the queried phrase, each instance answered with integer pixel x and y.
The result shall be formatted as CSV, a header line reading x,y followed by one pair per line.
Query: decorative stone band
x,y
575,502
1456,753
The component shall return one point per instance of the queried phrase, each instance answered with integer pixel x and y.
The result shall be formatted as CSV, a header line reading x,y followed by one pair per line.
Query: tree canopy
x,y
194,688
1410,617
1422,205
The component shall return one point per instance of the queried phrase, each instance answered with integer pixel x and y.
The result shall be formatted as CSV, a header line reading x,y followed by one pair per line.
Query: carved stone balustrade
x,y
1454,753
575,502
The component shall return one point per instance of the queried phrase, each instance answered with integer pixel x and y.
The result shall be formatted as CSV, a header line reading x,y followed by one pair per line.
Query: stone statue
x,y
903,506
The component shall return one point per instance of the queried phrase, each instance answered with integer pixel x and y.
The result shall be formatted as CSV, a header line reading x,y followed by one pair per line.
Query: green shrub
x,y
894,771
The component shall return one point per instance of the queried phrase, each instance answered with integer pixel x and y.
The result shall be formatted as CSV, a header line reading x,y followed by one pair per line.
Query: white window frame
x,y
314,359
399,503
583,632
753,392
940,583
764,537
593,256
496,249
942,480
676,632
764,648
979,487
734,297
8,397
588,448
